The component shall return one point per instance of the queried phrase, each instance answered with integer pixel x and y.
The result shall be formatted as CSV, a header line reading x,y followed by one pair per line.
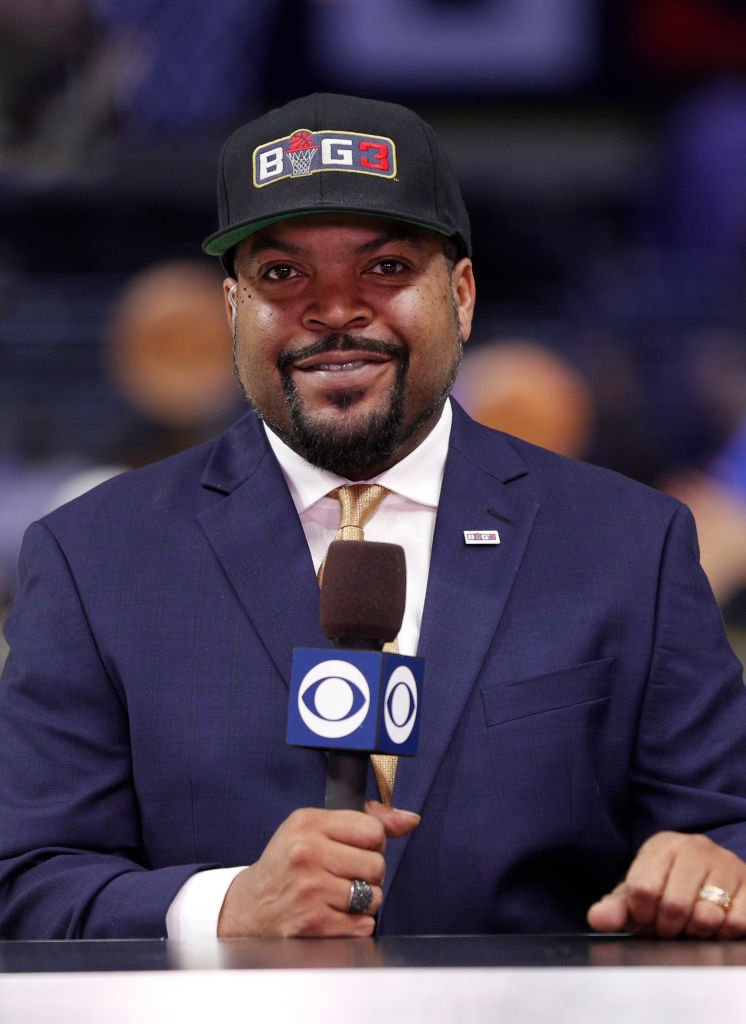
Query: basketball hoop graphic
x,y
300,153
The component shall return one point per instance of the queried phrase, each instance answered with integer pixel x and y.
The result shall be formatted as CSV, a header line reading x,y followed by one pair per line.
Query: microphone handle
x,y
347,770
346,780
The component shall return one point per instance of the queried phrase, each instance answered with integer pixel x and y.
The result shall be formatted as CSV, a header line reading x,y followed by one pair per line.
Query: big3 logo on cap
x,y
304,152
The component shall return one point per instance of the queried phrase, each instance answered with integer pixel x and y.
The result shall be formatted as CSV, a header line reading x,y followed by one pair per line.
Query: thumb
x,y
610,913
396,822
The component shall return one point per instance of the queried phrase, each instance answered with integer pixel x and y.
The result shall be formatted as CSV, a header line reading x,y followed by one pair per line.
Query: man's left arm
x,y
689,770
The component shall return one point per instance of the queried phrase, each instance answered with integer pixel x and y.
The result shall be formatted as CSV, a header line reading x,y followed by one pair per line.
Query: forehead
x,y
308,230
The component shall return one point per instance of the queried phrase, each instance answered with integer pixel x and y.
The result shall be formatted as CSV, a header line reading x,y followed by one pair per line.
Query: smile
x,y
338,367
343,370
336,362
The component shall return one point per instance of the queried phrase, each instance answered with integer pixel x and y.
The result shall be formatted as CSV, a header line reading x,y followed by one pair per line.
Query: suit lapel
x,y
468,587
257,537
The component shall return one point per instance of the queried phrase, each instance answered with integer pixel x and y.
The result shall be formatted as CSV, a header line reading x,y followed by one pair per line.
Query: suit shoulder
x,y
180,485
558,479
136,488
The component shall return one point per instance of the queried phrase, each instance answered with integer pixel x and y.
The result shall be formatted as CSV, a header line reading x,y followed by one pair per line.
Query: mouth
x,y
339,362
346,364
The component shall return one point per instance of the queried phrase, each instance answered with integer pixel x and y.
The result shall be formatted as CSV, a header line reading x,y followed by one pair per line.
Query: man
x,y
584,721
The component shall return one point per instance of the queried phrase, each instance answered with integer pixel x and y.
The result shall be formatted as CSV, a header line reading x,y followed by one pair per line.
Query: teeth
x,y
339,366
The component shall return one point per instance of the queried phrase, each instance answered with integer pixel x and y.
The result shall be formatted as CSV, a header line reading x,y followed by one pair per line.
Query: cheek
x,y
256,314
428,321
260,337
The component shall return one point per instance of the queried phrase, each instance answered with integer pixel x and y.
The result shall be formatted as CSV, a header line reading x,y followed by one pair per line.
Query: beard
x,y
360,445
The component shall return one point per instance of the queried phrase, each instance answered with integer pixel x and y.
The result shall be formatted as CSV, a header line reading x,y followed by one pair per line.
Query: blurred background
x,y
602,151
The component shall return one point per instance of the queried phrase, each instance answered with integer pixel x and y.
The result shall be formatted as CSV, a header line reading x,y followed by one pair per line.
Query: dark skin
x,y
348,333
342,320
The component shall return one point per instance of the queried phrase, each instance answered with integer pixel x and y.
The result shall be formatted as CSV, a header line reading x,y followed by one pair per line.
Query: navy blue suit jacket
x,y
580,694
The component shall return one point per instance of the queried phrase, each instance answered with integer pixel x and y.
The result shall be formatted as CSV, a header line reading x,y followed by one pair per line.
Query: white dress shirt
x,y
405,517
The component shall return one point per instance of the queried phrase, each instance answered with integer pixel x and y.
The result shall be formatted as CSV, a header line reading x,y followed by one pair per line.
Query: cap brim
x,y
219,243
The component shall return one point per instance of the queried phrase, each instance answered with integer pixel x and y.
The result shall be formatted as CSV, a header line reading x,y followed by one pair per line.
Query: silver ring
x,y
361,897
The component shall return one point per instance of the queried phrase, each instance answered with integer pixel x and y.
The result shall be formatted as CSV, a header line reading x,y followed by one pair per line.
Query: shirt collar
x,y
417,477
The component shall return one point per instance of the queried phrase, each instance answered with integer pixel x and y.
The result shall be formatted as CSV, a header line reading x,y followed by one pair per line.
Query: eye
x,y
280,272
389,266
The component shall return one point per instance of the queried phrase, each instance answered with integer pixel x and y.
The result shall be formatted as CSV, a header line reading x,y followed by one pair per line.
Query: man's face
x,y
348,335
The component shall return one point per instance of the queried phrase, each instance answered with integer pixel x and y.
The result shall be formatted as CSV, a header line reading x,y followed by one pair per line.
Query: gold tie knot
x,y
357,502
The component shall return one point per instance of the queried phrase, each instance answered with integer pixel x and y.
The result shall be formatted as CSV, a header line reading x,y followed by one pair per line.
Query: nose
x,y
336,303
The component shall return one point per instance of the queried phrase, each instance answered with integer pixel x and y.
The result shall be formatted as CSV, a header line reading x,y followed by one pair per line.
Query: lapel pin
x,y
481,537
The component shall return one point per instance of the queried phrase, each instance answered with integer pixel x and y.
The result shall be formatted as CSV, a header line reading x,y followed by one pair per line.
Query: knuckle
x,y
308,924
699,843
377,871
299,855
307,891
302,818
659,839
365,926
673,908
734,926
375,836
642,892
697,929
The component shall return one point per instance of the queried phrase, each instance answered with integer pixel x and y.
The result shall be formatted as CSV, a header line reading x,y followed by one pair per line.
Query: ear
x,y
230,288
464,294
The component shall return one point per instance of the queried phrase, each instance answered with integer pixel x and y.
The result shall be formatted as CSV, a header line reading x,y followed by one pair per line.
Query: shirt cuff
x,y
195,908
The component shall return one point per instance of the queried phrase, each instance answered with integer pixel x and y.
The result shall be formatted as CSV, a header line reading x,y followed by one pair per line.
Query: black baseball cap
x,y
328,153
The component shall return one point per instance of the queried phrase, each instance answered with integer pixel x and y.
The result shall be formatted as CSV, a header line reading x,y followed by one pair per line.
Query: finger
x,y
692,860
318,905
328,922
664,879
341,924
698,861
734,925
710,918
350,862
678,899
343,895
350,827
396,822
610,913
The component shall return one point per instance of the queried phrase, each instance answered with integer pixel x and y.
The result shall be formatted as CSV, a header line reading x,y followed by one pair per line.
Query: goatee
x,y
359,446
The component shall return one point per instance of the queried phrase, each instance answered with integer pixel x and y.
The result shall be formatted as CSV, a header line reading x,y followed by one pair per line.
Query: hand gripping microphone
x,y
357,700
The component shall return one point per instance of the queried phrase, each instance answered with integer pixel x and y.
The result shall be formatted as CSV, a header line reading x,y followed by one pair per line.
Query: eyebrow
x,y
267,242
258,246
385,238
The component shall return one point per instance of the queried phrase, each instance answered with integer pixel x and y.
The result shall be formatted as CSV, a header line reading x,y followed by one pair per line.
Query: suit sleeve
x,y
689,770
72,862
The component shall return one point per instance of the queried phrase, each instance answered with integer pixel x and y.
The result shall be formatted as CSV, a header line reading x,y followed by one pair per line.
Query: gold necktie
x,y
358,502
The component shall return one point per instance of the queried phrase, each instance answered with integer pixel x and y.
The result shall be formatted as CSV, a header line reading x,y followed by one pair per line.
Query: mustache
x,y
340,343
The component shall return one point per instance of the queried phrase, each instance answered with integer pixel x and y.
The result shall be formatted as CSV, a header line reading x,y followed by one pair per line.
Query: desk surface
x,y
516,979
464,951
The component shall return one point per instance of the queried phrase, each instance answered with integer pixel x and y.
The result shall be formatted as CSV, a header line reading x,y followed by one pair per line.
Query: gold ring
x,y
714,894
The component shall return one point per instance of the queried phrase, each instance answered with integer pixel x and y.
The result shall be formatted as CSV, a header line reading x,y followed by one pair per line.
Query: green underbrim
x,y
218,245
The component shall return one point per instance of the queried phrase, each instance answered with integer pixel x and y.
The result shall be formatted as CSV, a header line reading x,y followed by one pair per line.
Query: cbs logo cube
x,y
355,700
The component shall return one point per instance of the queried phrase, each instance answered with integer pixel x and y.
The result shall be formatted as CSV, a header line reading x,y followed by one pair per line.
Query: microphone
x,y
360,700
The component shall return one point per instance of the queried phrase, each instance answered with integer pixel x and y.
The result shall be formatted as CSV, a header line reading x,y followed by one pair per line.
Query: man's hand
x,y
301,883
660,895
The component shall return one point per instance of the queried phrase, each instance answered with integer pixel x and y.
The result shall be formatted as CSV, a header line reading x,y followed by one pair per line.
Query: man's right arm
x,y
74,857
73,863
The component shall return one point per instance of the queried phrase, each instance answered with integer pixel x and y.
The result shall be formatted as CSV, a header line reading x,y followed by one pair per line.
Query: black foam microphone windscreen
x,y
363,592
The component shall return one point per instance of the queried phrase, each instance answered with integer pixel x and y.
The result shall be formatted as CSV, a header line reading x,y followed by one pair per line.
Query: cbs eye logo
x,y
400,704
333,699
